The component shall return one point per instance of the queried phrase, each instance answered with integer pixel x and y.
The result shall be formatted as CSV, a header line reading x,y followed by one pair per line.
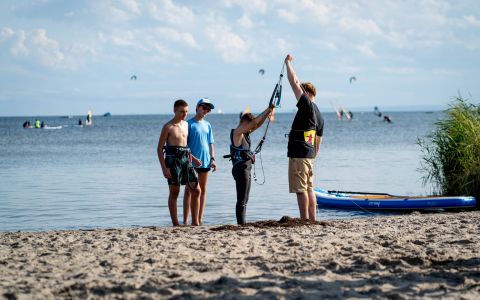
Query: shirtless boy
x,y
177,163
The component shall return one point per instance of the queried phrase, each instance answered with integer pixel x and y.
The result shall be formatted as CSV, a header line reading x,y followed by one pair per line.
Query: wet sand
x,y
399,257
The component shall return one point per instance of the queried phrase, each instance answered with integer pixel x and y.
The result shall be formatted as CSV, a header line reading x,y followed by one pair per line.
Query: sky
x,y
66,57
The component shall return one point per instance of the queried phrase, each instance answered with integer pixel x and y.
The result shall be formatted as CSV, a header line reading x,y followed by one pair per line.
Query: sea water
x,y
108,175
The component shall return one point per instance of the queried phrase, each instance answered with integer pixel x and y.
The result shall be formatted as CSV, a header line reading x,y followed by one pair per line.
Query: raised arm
x,y
257,122
292,78
251,126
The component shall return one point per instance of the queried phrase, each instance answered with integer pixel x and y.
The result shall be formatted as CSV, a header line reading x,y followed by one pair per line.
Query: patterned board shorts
x,y
177,159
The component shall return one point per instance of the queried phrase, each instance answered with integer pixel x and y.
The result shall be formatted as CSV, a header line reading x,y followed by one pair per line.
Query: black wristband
x,y
212,158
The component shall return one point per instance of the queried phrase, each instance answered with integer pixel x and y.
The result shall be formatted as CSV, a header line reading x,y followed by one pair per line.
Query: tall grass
x,y
451,154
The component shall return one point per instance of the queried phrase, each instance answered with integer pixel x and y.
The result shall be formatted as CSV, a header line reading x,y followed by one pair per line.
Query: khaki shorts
x,y
300,174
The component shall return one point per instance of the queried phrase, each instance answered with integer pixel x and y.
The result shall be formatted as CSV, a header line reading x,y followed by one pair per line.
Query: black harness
x,y
240,155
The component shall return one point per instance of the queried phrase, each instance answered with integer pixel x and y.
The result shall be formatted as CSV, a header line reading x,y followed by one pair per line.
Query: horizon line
x,y
362,109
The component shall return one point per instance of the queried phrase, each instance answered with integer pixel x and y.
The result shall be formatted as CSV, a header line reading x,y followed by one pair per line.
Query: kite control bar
x,y
277,91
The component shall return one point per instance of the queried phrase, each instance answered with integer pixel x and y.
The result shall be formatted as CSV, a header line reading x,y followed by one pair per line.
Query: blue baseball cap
x,y
206,102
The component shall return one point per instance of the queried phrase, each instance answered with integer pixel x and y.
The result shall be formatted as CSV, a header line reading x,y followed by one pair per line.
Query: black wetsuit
x,y
242,165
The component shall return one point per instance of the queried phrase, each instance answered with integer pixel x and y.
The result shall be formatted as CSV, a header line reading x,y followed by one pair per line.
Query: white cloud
x,y
413,38
472,20
132,6
168,12
250,7
397,39
230,45
6,33
331,46
287,16
47,49
399,71
101,37
341,67
37,47
245,21
324,45
151,42
79,49
366,50
126,39
365,27
291,11
282,46
184,38
114,11
445,72
164,54
19,48
317,9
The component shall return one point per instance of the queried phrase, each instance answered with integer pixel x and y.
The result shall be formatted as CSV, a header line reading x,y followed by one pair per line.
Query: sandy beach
x,y
399,257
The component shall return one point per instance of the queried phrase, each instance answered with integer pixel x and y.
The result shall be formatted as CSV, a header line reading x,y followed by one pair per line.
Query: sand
x,y
400,257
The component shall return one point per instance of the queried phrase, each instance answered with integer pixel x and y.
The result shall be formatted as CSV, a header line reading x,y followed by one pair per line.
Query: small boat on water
x,y
378,201
52,127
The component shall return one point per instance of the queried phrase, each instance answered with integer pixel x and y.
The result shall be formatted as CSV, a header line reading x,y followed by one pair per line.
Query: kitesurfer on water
x,y
89,121
303,144
242,158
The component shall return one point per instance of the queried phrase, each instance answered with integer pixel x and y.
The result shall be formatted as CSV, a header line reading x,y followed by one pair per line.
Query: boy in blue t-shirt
x,y
200,141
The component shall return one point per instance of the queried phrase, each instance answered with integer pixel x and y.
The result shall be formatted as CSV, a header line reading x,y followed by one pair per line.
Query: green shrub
x,y
451,154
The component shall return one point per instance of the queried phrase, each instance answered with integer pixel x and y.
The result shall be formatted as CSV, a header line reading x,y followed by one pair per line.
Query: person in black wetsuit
x,y
242,158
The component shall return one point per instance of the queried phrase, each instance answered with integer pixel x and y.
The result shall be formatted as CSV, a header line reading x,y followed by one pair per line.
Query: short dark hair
x,y
180,103
246,117
309,88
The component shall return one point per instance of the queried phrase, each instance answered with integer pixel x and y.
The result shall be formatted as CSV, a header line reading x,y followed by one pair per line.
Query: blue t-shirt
x,y
200,136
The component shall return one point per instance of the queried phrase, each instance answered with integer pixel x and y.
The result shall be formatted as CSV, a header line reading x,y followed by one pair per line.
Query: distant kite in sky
x,y
353,78
261,72
133,77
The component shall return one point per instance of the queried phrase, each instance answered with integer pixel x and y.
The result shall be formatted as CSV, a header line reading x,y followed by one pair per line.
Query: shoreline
x,y
415,255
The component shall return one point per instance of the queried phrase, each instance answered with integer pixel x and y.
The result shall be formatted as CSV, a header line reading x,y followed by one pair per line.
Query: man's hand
x,y
213,165
196,161
288,58
167,174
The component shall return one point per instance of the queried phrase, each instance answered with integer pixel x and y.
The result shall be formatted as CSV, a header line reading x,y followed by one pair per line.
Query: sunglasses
x,y
204,107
